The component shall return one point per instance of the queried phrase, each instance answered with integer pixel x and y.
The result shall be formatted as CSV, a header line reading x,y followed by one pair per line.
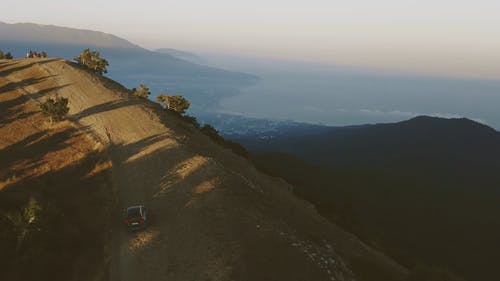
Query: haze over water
x,y
337,95
446,38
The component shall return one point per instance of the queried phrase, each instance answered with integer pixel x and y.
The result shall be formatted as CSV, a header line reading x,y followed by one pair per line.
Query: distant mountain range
x,y
181,55
129,63
30,32
425,190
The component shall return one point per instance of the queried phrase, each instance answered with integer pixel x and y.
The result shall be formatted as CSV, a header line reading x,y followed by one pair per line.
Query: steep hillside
x,y
56,194
424,190
423,148
213,215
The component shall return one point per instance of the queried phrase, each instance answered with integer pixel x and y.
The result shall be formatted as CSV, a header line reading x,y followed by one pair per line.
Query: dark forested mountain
x,y
421,146
129,63
30,32
424,190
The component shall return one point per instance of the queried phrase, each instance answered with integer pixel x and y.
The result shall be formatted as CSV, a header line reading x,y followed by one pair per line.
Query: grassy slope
x,y
67,175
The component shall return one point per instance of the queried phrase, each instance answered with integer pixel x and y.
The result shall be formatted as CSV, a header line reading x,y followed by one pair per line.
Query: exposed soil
x,y
212,215
65,171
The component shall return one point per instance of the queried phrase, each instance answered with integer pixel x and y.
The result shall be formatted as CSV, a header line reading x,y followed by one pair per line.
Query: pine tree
x,y
176,104
93,61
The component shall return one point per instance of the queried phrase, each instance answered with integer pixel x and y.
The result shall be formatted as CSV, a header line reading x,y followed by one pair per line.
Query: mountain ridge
x,y
421,189
213,215
181,54
414,132
53,33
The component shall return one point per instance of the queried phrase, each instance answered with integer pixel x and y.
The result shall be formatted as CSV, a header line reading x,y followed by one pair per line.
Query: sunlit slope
x,y
213,216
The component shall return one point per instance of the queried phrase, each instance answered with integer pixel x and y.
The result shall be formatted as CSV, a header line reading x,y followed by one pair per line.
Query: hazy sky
x,y
451,37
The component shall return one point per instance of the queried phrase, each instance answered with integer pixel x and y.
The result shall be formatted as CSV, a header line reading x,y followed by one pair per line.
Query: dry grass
x,y
207,185
65,171
142,239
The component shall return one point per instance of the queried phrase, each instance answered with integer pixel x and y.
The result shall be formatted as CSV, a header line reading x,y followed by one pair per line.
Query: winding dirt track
x,y
213,216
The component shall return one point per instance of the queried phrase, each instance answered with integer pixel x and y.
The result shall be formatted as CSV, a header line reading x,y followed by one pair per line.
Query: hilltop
x,y
424,190
213,215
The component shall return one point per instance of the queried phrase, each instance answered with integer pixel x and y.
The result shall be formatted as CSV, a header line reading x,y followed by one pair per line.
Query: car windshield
x,y
133,212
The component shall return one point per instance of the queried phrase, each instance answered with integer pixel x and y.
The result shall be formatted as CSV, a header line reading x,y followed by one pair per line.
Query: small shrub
x,y
43,54
143,91
24,221
93,61
179,105
55,108
8,56
162,99
1,55
212,133
192,120
176,104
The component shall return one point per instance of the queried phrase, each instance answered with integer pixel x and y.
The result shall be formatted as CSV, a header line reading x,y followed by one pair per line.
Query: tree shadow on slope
x,y
69,235
103,107
6,70
18,115
23,83
12,110
131,149
206,218
66,238
142,164
106,82
180,190
31,150
42,92
8,105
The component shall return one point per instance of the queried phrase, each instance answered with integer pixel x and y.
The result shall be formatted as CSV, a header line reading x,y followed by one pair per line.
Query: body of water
x,y
347,96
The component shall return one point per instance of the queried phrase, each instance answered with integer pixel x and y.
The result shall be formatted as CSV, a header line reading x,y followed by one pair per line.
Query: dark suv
x,y
135,217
